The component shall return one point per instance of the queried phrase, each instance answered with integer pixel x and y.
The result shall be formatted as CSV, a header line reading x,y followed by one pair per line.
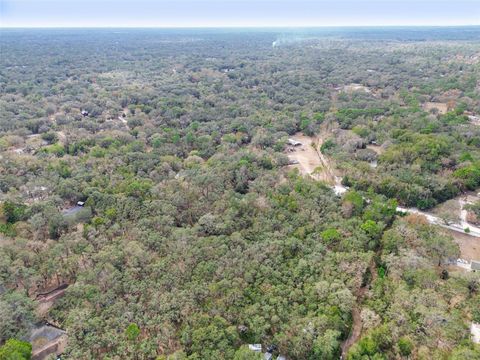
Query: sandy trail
x,y
62,137
355,332
124,119
357,324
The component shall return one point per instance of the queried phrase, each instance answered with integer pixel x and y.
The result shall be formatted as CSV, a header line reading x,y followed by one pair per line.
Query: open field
x,y
310,160
469,245
442,108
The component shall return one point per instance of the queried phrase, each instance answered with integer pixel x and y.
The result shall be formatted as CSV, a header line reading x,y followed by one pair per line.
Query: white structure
x,y
255,347
294,142
475,330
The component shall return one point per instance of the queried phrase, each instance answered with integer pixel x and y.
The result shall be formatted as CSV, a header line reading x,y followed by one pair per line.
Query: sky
x,y
236,13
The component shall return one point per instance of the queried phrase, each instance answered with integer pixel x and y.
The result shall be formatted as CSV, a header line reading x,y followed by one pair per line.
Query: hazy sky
x,y
214,13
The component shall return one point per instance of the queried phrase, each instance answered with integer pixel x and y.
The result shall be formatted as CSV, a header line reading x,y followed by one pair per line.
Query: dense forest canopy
x,y
195,236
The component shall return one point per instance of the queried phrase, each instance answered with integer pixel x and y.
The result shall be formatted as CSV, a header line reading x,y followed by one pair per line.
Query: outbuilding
x,y
475,265
294,142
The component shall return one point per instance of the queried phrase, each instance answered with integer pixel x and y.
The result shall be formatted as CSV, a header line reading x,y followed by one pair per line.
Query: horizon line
x,y
236,26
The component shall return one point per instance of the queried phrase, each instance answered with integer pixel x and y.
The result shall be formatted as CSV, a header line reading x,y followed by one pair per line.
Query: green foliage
x,y
360,131
132,332
138,188
405,346
7,229
211,338
98,152
14,212
454,118
355,199
470,175
328,145
347,116
330,235
244,353
195,224
327,346
64,170
16,315
55,149
15,349
371,346
50,137
372,229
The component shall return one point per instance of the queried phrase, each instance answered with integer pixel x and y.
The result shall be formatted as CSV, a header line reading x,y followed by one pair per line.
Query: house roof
x,y
44,333
475,265
294,142
255,347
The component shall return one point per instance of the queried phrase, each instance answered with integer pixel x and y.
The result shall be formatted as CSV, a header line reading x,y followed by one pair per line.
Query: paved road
x,y
459,227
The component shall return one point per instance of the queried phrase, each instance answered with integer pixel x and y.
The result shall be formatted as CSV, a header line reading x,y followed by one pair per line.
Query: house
x,y
293,142
475,265
80,203
268,355
46,340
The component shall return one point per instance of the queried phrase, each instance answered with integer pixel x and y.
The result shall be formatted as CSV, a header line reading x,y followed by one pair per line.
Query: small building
x,y
255,347
80,203
268,356
84,113
294,142
46,340
475,265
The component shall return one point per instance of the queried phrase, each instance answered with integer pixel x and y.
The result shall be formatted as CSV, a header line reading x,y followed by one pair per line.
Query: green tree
x,y
16,315
16,350
132,332
244,353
